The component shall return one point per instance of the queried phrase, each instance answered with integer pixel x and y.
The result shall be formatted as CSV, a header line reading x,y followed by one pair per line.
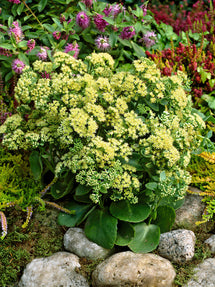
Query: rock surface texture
x,y
130,269
191,211
177,245
54,271
76,242
210,242
204,274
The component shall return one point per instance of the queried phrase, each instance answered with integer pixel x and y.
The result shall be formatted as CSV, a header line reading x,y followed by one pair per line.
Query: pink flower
x,y
100,22
42,54
14,1
56,35
144,8
127,33
18,66
102,43
3,224
72,47
108,10
148,39
16,32
31,44
62,18
82,20
88,3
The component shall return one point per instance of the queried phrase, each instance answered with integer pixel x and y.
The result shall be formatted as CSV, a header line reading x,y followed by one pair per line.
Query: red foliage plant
x,y
198,19
188,59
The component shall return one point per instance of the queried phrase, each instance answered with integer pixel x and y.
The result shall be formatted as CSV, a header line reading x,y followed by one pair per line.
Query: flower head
x,y
31,44
149,39
14,1
56,35
82,20
102,43
72,47
127,33
3,224
88,3
16,32
42,54
100,22
18,66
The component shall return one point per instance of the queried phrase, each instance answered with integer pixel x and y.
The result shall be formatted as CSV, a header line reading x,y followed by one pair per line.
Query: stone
x,y
177,245
191,211
204,275
57,270
133,269
76,242
210,242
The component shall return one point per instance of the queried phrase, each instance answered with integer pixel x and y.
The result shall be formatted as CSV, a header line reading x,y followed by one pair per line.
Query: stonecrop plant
x,y
117,140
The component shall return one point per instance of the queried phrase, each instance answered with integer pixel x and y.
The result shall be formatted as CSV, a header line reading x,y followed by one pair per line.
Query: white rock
x,y
191,211
177,245
53,271
211,243
76,242
134,269
204,274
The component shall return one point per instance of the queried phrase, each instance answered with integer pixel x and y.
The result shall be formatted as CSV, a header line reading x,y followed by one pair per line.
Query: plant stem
x,y
23,1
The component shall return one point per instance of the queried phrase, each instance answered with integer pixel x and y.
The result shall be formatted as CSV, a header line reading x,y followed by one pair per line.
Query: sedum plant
x,y
117,141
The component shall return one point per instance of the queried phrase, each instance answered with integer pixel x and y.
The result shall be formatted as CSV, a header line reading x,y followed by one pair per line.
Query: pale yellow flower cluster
x,y
101,122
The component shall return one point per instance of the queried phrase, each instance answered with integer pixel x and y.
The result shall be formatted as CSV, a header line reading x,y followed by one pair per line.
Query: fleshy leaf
x,y
101,228
125,233
146,238
126,211
165,218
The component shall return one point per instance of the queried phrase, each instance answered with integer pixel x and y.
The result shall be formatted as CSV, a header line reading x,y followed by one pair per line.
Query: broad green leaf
x,y
151,185
20,8
6,46
73,220
101,228
23,58
41,5
82,189
138,50
126,211
8,76
134,161
165,218
22,44
113,39
146,238
125,233
36,164
61,188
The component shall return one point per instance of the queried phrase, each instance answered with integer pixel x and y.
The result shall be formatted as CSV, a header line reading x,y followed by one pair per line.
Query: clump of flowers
x,y
127,33
16,32
82,20
18,66
42,54
123,136
149,39
72,47
102,43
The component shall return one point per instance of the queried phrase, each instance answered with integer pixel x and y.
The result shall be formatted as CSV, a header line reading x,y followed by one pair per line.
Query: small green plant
x,y
202,168
116,140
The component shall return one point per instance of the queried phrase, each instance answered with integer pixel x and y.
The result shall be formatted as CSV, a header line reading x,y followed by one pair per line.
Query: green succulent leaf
x,y
73,220
165,218
146,238
101,228
125,233
36,164
126,211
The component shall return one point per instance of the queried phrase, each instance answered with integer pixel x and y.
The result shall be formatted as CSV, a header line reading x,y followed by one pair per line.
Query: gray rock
x,y
191,211
177,245
134,269
211,243
76,242
204,274
57,270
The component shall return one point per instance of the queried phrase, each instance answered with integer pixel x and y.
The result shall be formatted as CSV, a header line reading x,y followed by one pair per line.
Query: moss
x,y
21,246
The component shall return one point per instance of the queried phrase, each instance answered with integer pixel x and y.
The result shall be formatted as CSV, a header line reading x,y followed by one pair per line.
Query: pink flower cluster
x,y
16,32
15,1
82,20
42,54
149,39
127,33
102,43
72,47
100,22
18,66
